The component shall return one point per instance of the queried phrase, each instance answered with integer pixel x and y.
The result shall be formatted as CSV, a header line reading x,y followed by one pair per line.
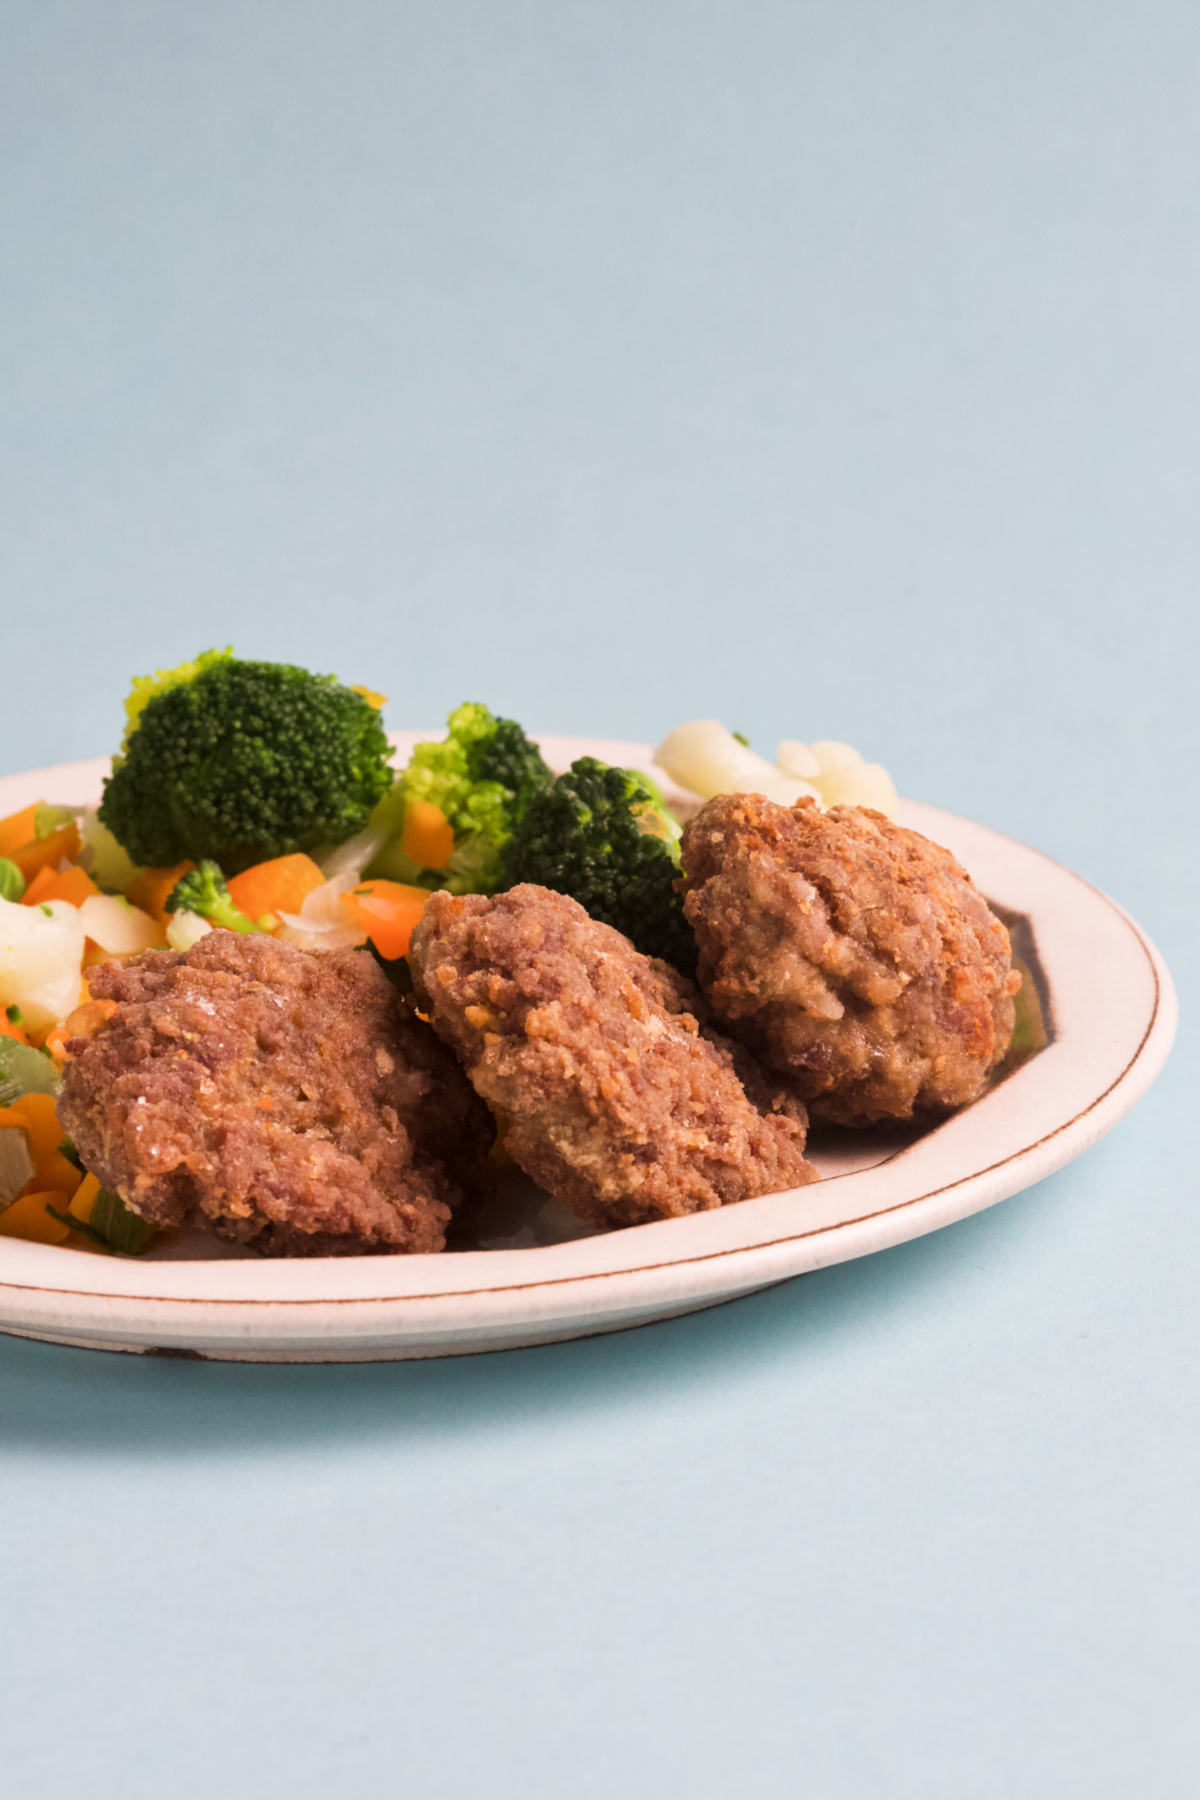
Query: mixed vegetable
x,y
258,797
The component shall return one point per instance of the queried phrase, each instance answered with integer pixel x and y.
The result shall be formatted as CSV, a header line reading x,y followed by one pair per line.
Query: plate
x,y
541,1279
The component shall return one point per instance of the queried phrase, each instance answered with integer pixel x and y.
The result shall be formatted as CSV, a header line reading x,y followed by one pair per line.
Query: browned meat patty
x,y
618,1102
854,956
288,1100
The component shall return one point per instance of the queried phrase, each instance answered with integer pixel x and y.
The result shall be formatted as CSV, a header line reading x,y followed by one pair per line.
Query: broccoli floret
x,y
241,761
202,890
604,836
145,688
482,776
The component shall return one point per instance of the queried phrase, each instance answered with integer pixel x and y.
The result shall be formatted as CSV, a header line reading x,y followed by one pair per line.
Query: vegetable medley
x,y
258,797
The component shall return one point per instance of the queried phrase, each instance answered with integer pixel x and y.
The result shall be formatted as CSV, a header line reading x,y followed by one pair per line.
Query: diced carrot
x,y
55,1042
43,879
9,1030
73,884
35,1114
387,911
428,836
27,1218
152,889
84,1198
18,829
40,1117
56,1172
46,853
281,885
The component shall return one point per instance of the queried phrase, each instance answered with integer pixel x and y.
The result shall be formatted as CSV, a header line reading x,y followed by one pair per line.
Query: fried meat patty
x,y
288,1100
618,1101
854,956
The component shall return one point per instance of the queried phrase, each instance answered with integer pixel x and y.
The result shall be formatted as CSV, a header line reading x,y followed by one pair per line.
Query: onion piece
x,y
354,854
323,922
185,929
121,929
16,1164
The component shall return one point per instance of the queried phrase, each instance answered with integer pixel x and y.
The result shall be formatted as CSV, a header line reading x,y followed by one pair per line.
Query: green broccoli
x,y
203,890
482,776
240,761
605,837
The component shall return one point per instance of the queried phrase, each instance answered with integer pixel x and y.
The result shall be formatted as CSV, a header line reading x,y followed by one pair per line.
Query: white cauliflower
x,y
41,954
844,779
707,759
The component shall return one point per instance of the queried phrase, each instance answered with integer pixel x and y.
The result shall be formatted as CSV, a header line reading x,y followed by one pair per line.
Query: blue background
x,y
832,368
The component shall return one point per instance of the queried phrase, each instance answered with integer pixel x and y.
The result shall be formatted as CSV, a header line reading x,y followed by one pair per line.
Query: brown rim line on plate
x,y
1106,1041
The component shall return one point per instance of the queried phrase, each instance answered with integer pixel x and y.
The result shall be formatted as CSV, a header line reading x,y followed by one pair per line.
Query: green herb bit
x,y
80,1225
68,1151
112,1225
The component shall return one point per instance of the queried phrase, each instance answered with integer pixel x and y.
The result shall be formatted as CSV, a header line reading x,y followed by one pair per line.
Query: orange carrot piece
x,y
39,1115
8,1029
43,879
18,829
84,1198
56,1042
387,911
27,1218
281,885
48,852
55,1173
74,884
152,889
428,836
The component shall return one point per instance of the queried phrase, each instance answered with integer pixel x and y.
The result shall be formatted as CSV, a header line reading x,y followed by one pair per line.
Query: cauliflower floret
x,y
795,758
828,754
859,784
707,759
41,957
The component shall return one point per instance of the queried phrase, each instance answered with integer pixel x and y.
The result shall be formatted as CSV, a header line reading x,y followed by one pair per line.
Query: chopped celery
x,y
49,819
24,1070
121,1228
111,1225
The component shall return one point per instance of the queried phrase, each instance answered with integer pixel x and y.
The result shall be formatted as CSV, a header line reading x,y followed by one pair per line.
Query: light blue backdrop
x,y
832,368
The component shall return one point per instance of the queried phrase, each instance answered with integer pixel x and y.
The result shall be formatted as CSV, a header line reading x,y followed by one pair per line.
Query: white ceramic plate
x,y
1110,1015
